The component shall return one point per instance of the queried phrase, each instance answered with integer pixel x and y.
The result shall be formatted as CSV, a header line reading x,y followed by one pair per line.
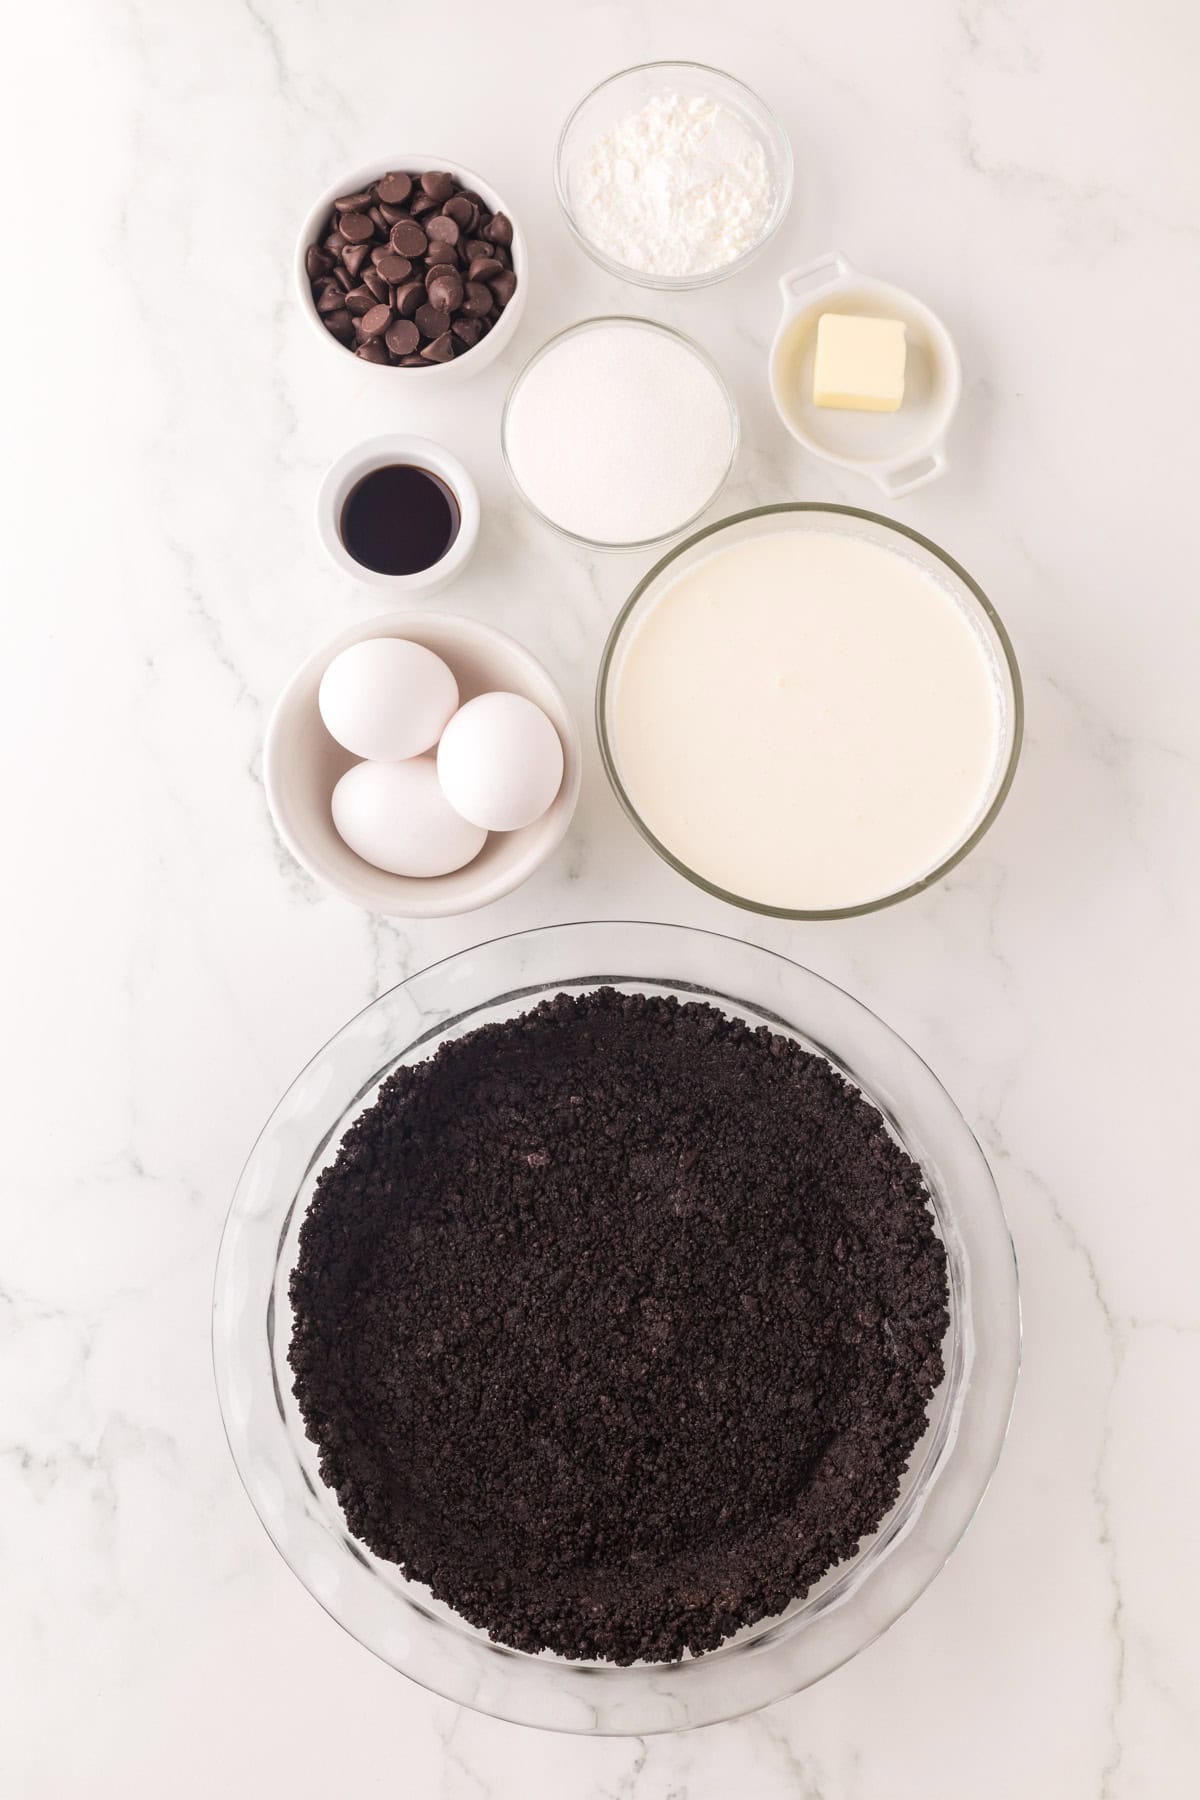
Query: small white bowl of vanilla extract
x,y
399,513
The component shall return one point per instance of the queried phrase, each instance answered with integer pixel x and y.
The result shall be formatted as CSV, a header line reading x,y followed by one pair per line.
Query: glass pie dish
x,y
400,1620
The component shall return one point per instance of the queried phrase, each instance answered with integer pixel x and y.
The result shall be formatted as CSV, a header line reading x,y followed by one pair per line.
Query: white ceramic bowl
x,y
302,764
378,453
898,451
418,161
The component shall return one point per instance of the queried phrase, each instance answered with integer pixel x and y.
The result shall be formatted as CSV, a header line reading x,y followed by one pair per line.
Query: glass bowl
x,y
399,1620
625,93
888,534
576,330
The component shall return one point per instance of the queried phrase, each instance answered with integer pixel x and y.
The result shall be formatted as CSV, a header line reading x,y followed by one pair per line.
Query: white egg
x,y
387,698
395,816
500,762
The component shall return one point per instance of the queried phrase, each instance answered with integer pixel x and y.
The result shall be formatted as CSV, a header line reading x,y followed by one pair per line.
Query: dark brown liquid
x,y
399,519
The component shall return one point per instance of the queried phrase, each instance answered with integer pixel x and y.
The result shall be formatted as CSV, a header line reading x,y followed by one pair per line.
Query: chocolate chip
x,y
442,229
407,239
477,299
376,322
394,188
409,295
445,290
432,321
394,268
402,337
440,350
354,256
356,228
414,252
411,362
503,286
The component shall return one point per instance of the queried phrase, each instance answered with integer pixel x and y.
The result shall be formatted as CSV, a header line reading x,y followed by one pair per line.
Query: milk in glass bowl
x,y
810,711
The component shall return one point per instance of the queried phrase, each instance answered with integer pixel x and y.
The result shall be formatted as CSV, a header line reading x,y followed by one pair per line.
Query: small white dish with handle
x,y
898,451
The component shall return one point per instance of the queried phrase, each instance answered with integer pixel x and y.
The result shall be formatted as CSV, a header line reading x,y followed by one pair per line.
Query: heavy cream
x,y
807,720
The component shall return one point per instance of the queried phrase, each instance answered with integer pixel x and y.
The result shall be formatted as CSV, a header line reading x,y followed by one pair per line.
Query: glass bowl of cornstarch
x,y
673,175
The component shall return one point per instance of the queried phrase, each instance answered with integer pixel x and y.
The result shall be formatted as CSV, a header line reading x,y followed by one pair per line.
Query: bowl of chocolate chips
x,y
418,266
616,1327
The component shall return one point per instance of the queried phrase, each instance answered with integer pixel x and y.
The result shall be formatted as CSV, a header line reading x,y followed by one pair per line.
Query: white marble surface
x,y
1028,167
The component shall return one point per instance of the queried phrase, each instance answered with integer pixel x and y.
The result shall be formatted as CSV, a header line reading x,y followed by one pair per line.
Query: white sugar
x,y
619,433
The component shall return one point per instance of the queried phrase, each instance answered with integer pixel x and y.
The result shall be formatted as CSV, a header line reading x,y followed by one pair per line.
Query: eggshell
x,y
387,698
395,816
500,762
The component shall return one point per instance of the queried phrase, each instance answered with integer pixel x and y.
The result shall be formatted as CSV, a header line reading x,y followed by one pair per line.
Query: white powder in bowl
x,y
678,188
619,433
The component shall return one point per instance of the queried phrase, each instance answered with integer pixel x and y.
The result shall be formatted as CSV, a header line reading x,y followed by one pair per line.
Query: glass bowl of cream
x,y
672,174
809,711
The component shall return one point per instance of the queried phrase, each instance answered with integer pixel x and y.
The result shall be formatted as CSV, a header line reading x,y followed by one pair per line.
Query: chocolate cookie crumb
x,y
617,1323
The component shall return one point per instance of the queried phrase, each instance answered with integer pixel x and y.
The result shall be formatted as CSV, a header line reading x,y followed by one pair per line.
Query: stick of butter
x,y
860,363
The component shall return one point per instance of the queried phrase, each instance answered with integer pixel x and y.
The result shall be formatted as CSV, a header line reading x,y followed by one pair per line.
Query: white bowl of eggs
x,y
421,764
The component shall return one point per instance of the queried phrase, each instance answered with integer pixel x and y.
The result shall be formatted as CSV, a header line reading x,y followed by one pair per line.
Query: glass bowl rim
x,y
773,1635
671,331
783,174
983,825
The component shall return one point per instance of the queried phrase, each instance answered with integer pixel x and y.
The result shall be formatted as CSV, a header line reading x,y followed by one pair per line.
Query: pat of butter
x,y
860,363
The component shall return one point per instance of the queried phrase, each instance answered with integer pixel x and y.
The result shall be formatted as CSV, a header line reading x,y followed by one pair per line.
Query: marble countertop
x,y
1030,169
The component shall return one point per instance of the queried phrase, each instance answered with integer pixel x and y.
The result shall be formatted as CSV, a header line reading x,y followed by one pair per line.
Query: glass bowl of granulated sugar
x,y
619,432
673,174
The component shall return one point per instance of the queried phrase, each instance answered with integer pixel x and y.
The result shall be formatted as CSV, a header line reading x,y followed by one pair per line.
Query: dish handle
x,y
801,286
913,474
